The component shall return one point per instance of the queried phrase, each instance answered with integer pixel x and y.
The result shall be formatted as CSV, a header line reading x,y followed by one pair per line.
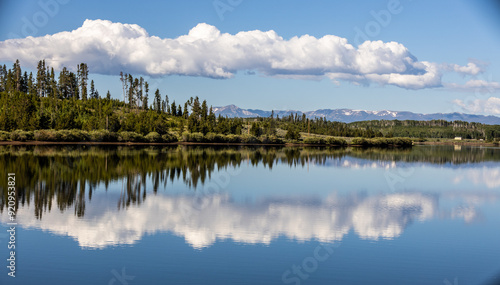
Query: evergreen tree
x,y
131,91
204,111
83,74
292,134
93,94
196,108
17,75
157,102
185,115
145,104
167,109
255,130
41,78
212,122
174,108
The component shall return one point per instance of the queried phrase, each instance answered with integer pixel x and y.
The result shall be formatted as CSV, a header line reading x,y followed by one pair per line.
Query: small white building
x,y
458,138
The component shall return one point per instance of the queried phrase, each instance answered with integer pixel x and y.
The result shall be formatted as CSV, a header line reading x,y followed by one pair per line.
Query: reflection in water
x,y
67,178
64,176
481,176
203,221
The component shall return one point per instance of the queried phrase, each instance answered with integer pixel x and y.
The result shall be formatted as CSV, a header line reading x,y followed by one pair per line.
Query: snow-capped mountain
x,y
348,115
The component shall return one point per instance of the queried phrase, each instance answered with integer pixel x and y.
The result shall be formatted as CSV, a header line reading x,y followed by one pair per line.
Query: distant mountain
x,y
348,115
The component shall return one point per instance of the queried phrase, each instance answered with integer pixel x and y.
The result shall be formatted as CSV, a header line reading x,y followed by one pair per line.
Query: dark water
x,y
204,215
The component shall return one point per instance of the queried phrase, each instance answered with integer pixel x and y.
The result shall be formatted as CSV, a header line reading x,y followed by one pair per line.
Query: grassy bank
x,y
73,136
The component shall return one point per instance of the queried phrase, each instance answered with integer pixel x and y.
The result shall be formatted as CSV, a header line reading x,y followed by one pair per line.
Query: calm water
x,y
204,215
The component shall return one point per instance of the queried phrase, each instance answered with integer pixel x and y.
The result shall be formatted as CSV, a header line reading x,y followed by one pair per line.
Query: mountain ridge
x,y
351,115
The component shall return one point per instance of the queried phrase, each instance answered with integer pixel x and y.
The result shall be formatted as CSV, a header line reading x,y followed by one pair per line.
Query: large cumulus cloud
x,y
109,48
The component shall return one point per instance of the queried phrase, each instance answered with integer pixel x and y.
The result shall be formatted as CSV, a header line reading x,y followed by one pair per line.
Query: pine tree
x,y
17,75
195,108
211,122
92,90
145,104
167,109
173,109
3,78
83,74
31,85
179,111
157,102
204,111
123,79
131,93
186,111
139,88
41,78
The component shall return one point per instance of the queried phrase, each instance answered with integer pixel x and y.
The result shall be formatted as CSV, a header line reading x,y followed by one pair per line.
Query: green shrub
x,y
63,136
45,135
233,138
382,142
292,134
401,141
169,137
314,140
22,136
379,141
359,141
71,136
193,137
336,141
215,138
80,136
153,137
249,139
103,136
271,139
130,137
4,136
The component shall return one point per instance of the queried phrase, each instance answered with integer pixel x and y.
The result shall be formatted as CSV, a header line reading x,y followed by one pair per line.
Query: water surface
x,y
227,215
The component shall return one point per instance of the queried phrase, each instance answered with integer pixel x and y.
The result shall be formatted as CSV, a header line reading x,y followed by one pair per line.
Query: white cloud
x,y
473,67
431,77
475,85
488,106
109,48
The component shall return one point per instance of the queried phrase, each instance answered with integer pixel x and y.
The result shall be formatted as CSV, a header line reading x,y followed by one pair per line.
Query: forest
x,y
65,107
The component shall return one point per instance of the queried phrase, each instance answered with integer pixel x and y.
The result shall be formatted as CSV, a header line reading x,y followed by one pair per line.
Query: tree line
x,y
65,101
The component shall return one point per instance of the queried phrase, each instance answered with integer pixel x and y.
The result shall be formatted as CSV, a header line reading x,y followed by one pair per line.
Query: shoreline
x,y
149,143
229,144
456,143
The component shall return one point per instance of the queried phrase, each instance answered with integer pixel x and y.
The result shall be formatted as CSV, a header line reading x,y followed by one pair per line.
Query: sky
x,y
401,55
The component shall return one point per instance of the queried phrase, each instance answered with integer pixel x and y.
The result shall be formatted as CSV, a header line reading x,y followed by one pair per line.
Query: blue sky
x,y
448,34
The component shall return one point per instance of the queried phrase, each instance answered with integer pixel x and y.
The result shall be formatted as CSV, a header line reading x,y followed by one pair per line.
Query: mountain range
x,y
349,115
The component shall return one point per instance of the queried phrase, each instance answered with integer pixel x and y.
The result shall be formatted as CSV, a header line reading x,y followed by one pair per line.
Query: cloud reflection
x,y
205,220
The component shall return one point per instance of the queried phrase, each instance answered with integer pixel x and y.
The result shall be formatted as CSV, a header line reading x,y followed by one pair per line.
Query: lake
x,y
252,215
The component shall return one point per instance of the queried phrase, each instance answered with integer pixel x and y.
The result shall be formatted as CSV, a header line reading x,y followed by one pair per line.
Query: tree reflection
x,y
66,174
